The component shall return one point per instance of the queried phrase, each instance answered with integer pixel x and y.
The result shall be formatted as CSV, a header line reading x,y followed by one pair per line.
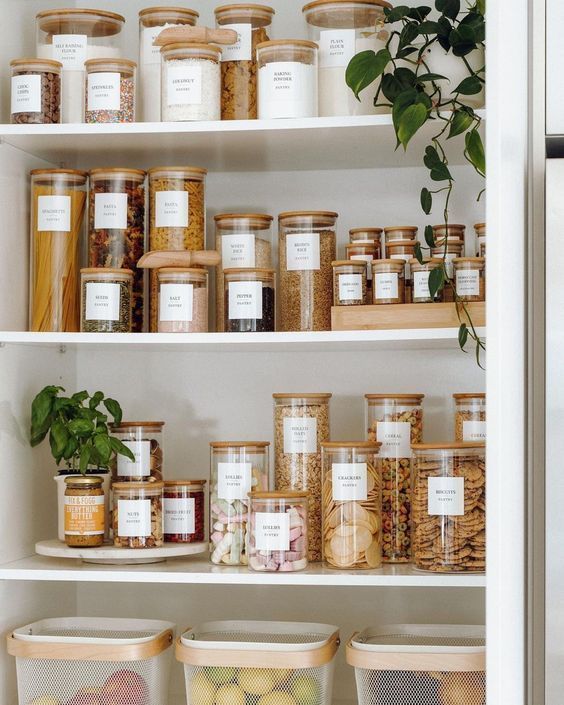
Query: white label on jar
x,y
134,518
245,300
141,466
184,85
234,480
300,435
445,496
70,50
179,515
54,213
287,89
238,250
368,259
473,430
151,54
176,302
350,287
272,531
171,209
350,482
104,91
336,47
302,252
468,282
395,437
386,285
421,285
26,94
242,49
406,259
110,211
102,301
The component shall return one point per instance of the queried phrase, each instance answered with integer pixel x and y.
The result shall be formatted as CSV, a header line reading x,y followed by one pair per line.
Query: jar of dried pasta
x,y
364,252
420,273
242,240
183,300
367,236
352,515
388,282
84,511
307,247
301,424
349,283
449,507
394,233
448,251
105,300
470,417
145,440
138,514
395,421
110,90
470,278
238,61
250,300
403,250
35,91
480,229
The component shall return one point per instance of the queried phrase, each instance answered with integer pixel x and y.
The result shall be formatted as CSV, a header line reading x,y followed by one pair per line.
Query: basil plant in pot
x,y
79,437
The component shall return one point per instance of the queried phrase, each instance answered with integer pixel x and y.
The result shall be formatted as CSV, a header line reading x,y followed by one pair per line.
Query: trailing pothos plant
x,y
418,96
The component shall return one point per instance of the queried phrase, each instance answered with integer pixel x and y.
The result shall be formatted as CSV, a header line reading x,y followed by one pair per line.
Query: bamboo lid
x,y
394,396
365,230
249,270
156,10
448,445
116,173
37,62
54,172
398,264
318,3
359,264
123,63
306,395
366,445
188,172
242,216
304,43
473,260
188,46
245,6
370,245
176,483
401,243
93,23
202,273
106,270
137,424
414,262
467,395
409,228
239,444
455,226
138,485
480,225
290,494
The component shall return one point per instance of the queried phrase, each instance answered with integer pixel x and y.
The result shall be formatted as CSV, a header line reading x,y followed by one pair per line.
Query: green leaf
x,y
471,85
418,253
410,121
121,449
439,170
364,69
461,121
395,83
449,8
419,13
81,427
95,399
426,200
70,448
397,13
441,173
431,158
477,23
428,27
481,6
85,455
114,409
103,447
443,33
80,396
429,236
475,151
462,335
408,34
436,281
424,77
58,438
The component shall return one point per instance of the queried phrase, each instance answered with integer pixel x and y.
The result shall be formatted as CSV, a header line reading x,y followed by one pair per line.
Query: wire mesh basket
x,y
419,664
258,663
82,661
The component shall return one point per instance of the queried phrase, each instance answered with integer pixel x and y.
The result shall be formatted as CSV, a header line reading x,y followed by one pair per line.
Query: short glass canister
x,y
470,278
349,283
250,300
388,282
183,300
105,300
470,416
420,276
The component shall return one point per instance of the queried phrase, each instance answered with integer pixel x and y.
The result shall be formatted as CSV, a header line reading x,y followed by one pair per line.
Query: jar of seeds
x,y
110,90
388,282
448,252
470,417
36,91
453,232
420,273
349,283
105,300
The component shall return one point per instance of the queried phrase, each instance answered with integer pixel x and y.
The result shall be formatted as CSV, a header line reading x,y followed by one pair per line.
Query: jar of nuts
x,y
470,278
84,511
388,282
183,511
470,417
349,283
138,514
145,440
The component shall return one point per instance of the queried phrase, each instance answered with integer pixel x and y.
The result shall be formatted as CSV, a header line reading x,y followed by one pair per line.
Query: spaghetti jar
x,y
367,236
110,90
388,282
403,250
239,60
183,300
470,278
183,511
236,468
480,229
35,91
145,440
138,514
349,283
364,252
395,421
420,273
398,232
278,536
352,518
250,304
470,417
58,205
85,517
105,300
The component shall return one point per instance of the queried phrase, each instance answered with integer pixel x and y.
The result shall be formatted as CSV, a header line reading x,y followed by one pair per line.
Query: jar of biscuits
x,y
470,417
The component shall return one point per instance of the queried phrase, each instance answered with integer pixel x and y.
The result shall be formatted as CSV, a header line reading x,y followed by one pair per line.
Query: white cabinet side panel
x,y
554,67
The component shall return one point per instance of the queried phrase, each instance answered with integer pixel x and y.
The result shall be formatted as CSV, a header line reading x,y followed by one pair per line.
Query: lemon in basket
x,y
230,695
220,675
202,690
277,698
256,681
306,691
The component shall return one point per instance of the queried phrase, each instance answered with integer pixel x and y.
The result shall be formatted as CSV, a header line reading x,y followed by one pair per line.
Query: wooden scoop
x,y
158,259
195,35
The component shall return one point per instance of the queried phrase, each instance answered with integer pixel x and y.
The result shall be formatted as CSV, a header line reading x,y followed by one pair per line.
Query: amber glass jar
x,y
84,511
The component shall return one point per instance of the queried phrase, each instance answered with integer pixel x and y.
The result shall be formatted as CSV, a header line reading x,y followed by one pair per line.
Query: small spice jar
x,y
242,240
236,468
470,278
448,252
420,273
287,79
449,507
183,300
278,535
183,511
398,232
250,304
105,300
454,232
145,440
367,236
388,282
238,61
110,90
364,252
138,514
35,91
352,516
349,283
85,516
480,229
403,250
470,417
190,82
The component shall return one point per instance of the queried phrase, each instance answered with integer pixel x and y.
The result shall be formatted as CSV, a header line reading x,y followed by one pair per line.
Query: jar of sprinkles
x,y
110,90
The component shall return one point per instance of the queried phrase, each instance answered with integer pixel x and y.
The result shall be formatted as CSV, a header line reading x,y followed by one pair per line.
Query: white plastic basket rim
x,y
373,639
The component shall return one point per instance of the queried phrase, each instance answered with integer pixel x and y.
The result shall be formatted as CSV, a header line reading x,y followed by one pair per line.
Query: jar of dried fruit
x,y
138,514
388,282
110,90
470,417
183,300
145,440
470,278
249,300
420,273
105,300
183,511
85,517
349,283
36,91
364,252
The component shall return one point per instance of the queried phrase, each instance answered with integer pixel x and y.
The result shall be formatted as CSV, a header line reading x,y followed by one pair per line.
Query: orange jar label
x,y
84,516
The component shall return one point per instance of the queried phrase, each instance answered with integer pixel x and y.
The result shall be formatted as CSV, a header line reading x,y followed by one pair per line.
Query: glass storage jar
x,y
35,91
403,250
152,21
117,227
395,421
242,240
183,300
470,417
342,29
367,236
183,511
85,516
239,61
72,36
388,282
190,82
480,229
364,252
448,252
349,283
453,232
420,273
287,79
470,278
236,468
145,440
110,90
306,249
278,535
137,518
449,507
398,232
301,425
352,498
250,300
58,205
105,300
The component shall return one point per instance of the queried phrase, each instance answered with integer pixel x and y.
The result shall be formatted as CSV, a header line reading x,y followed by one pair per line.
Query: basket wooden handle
x,y
197,35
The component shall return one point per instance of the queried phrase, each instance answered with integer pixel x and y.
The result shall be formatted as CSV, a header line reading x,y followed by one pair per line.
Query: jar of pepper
x,y
183,511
